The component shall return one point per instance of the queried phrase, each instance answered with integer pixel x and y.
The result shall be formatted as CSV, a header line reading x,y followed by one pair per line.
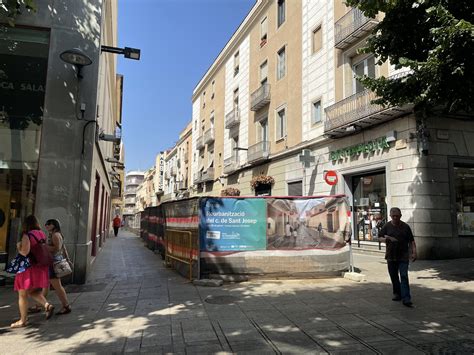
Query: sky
x,y
179,40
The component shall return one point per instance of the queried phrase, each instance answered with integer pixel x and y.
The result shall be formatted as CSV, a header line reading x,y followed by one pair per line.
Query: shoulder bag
x,y
63,267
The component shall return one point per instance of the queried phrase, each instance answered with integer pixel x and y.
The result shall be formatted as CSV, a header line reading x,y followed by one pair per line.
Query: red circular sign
x,y
330,177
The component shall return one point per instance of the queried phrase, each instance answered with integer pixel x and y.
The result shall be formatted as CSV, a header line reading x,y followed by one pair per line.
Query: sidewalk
x,y
131,303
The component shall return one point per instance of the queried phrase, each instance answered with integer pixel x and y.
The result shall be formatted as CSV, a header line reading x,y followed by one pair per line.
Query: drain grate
x,y
221,299
85,288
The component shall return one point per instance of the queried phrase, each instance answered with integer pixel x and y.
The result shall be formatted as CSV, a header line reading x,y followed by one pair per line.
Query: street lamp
x,y
77,58
129,53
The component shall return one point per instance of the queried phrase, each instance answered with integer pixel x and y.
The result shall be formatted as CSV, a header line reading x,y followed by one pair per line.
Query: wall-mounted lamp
x,y
129,53
109,138
222,180
351,128
77,58
240,148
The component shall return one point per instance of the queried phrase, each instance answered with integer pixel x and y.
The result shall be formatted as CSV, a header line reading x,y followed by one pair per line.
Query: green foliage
x,y
12,8
434,39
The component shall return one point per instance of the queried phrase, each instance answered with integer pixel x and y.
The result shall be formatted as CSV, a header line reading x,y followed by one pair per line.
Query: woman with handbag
x,y
61,262
30,281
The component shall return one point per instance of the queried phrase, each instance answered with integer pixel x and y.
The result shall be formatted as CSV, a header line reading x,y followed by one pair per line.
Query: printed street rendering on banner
x,y
229,224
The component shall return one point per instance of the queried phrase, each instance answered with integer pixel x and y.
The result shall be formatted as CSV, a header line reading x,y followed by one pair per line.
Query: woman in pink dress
x,y
31,281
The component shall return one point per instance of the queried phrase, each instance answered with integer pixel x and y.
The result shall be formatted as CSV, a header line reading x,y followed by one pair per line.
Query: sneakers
x,y
408,304
396,298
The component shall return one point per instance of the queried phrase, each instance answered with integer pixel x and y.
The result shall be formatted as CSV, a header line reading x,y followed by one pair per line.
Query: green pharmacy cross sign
x,y
366,147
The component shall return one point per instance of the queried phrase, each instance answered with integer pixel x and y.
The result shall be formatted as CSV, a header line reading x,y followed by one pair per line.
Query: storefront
x,y
23,67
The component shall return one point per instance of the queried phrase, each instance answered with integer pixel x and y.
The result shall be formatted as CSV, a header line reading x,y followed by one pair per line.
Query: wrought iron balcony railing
x,y
232,118
182,185
260,97
351,27
258,151
356,112
209,136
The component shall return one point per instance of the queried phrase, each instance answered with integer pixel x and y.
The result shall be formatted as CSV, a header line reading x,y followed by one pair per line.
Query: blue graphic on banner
x,y
229,224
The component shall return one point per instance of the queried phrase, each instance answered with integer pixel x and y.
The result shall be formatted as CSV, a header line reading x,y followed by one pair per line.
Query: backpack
x,y
39,253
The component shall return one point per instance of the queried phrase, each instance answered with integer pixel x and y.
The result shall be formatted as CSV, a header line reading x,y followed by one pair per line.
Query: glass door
x,y
369,205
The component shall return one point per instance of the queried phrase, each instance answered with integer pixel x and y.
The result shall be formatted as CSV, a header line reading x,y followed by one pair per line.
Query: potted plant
x,y
261,180
230,191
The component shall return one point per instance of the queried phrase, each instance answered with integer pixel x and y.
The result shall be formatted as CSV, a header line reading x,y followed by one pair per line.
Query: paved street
x,y
134,304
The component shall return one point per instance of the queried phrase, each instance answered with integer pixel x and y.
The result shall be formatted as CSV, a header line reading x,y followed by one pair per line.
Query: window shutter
x,y
295,188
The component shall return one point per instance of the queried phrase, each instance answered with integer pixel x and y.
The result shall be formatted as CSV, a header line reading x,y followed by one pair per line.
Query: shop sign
x,y
331,177
367,147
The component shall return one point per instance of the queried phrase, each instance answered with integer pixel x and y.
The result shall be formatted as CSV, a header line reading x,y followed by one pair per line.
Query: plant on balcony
x,y
261,180
230,191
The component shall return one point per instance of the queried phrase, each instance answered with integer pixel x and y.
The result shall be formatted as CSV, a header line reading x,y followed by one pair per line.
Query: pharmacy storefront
x,y
381,167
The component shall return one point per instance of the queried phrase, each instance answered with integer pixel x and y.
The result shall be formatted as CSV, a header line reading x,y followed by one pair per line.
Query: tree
x,y
12,8
434,39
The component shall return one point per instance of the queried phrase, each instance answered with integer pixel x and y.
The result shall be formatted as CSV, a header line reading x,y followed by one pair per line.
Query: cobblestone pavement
x,y
132,303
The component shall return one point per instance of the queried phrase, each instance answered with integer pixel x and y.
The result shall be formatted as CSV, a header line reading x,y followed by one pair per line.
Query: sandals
x,y
19,324
34,309
65,310
49,310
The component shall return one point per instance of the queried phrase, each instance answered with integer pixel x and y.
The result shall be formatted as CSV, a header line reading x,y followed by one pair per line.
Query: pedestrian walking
x,y
398,239
29,282
117,222
55,244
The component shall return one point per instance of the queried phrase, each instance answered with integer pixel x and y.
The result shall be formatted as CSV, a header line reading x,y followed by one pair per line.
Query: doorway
x,y
369,191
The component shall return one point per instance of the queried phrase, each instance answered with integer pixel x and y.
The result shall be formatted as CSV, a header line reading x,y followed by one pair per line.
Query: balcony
x,y
167,175
186,157
356,112
129,211
129,200
207,175
182,185
173,171
351,27
199,143
260,97
231,164
209,136
232,118
258,152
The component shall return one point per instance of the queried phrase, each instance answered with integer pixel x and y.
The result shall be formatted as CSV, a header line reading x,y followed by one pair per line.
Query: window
x,y
213,84
236,99
365,67
236,63
316,113
263,32
317,40
464,189
281,124
203,99
281,12
263,73
281,66
295,188
211,120
262,131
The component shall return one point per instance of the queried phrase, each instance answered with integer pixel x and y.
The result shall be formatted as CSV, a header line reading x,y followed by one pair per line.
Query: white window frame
x,y
262,78
236,63
278,13
313,122
263,31
282,49
278,123
366,70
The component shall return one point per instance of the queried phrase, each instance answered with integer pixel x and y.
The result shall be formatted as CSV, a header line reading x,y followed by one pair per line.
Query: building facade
x,y
133,181
52,159
284,89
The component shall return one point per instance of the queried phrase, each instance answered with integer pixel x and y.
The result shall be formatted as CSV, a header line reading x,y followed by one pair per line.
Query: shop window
x,y
369,195
464,187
